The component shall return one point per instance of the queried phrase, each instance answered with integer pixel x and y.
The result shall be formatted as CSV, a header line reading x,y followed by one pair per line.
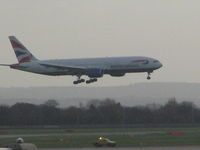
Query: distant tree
x,y
111,111
186,112
93,115
72,115
96,111
107,102
93,102
51,103
50,112
23,114
4,114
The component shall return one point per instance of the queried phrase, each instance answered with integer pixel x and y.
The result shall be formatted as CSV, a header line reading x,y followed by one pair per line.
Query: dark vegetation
x,y
98,112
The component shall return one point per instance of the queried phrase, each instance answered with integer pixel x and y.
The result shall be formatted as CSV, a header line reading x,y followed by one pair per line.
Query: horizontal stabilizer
x,y
5,65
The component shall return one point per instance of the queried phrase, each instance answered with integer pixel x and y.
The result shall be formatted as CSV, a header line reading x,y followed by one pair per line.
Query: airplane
x,y
92,67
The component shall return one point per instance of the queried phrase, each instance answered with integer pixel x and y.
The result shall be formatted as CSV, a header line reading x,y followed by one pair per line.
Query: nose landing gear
x,y
148,77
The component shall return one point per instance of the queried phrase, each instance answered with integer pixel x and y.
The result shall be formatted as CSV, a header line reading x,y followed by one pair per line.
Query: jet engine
x,y
117,74
94,73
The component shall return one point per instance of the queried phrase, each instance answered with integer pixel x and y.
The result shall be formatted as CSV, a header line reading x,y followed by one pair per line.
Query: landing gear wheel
x,y
88,81
75,82
91,80
148,77
79,80
82,80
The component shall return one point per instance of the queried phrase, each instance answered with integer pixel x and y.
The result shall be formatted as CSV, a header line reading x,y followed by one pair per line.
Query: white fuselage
x,y
116,66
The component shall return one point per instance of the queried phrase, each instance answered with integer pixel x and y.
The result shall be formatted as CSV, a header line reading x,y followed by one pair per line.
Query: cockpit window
x,y
155,61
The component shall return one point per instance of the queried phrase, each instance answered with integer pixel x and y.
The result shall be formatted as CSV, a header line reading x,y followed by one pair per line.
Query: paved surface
x,y
133,148
104,148
80,134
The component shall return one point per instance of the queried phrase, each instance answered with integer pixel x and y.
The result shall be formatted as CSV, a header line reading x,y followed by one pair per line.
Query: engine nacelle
x,y
94,73
120,74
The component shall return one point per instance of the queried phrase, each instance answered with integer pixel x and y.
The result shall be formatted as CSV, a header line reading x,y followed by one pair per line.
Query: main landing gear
x,y
148,77
91,80
79,80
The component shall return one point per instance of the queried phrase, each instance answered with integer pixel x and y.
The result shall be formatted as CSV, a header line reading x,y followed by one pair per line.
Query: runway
x,y
133,148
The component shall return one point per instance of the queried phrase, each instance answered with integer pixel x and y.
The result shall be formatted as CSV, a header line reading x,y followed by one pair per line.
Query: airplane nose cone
x,y
160,64
157,64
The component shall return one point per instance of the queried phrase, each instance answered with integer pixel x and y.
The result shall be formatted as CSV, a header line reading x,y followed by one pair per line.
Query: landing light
x,y
100,138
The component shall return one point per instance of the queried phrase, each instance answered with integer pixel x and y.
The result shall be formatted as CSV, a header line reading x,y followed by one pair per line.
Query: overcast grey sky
x,y
168,30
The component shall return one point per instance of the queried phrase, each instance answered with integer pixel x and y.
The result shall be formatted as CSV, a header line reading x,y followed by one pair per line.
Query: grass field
x,y
62,131
122,140
191,136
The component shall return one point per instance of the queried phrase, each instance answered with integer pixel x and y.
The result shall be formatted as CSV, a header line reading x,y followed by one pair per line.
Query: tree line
x,y
98,112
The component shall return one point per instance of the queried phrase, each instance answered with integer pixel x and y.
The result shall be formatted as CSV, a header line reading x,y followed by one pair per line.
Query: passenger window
x,y
146,62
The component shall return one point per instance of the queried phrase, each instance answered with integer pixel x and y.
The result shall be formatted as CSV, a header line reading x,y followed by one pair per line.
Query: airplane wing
x,y
62,67
5,64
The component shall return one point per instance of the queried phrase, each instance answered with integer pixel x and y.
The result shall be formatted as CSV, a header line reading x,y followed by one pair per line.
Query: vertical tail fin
x,y
21,52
